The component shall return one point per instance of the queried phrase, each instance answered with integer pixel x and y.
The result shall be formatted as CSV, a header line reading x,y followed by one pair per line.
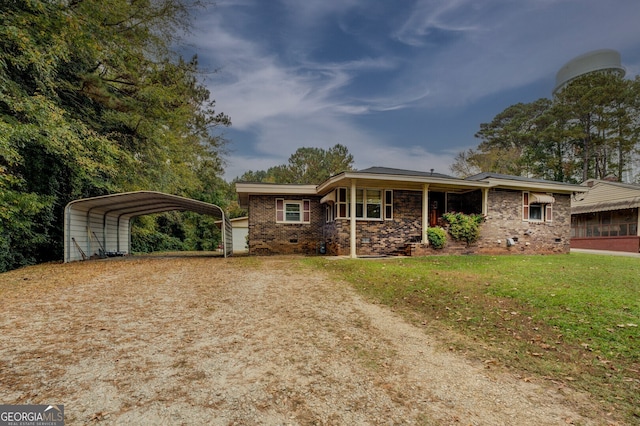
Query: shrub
x,y
437,237
463,227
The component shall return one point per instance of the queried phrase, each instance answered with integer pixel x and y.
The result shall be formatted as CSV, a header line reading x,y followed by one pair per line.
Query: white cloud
x,y
456,52
280,138
253,85
428,16
501,45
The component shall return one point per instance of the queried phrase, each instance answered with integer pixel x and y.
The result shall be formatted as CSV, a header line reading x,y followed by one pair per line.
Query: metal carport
x,y
101,225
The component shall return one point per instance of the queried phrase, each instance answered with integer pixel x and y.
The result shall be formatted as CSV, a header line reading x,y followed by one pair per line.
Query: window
x,y
616,223
342,203
293,211
359,203
368,204
388,204
535,211
537,207
328,213
374,204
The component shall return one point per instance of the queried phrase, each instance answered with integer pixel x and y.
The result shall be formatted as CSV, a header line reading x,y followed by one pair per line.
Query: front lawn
x,y
573,319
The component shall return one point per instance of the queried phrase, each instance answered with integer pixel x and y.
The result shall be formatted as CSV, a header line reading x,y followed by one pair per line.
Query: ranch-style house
x,y
383,211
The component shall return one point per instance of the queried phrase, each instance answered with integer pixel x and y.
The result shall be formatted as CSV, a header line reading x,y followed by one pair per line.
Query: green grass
x,y
569,318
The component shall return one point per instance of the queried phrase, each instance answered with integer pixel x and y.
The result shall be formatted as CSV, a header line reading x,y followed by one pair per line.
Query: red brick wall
x,y
629,244
268,237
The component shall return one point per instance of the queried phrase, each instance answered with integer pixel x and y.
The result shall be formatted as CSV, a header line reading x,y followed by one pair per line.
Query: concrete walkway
x,y
606,252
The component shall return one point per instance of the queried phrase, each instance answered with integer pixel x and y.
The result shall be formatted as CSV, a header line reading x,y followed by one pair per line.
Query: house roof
x,y
521,182
385,177
491,175
398,178
237,222
605,196
244,189
401,172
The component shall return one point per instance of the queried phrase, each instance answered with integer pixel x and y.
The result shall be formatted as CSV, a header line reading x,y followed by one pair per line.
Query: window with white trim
x,y
293,211
342,203
388,204
535,210
368,204
329,213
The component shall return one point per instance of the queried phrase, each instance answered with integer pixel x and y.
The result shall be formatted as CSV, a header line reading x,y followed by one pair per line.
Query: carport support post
x,y
67,233
352,213
425,213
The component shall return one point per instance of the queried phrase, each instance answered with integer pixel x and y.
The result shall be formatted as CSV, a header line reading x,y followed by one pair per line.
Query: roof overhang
x,y
436,183
607,206
244,190
535,185
406,181
399,181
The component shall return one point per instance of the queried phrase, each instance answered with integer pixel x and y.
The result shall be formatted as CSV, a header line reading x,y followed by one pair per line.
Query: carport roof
x,y
144,202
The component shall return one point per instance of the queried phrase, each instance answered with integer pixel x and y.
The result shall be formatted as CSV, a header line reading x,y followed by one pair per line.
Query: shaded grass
x,y
572,319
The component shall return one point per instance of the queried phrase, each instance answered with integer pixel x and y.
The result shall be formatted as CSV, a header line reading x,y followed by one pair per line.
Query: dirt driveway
x,y
246,341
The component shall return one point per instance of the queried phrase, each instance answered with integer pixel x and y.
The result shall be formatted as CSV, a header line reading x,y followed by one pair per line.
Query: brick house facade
x,y
505,220
267,236
395,207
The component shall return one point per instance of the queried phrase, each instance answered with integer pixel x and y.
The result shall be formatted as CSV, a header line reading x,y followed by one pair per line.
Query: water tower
x,y
598,60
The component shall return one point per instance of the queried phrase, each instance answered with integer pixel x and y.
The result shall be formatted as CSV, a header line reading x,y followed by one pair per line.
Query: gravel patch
x,y
241,341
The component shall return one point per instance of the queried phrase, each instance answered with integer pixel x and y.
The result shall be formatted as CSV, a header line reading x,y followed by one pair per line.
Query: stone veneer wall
x,y
376,237
504,220
268,237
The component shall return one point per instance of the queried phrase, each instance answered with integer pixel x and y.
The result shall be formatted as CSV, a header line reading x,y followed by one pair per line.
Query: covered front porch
x,y
393,220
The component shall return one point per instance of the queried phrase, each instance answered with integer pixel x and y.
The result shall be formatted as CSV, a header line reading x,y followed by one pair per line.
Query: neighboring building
x,y
606,217
394,208
240,227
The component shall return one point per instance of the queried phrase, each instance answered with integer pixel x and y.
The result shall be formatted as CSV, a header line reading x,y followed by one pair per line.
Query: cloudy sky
x,y
401,83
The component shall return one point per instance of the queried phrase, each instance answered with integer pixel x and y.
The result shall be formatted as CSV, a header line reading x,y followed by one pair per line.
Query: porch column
x,y
425,213
485,201
352,207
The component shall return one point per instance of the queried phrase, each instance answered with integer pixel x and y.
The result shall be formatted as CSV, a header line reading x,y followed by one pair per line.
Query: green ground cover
x,y
573,319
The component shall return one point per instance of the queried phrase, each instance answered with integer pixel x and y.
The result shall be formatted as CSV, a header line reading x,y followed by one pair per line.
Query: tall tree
x,y
601,110
305,166
93,101
589,130
509,142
